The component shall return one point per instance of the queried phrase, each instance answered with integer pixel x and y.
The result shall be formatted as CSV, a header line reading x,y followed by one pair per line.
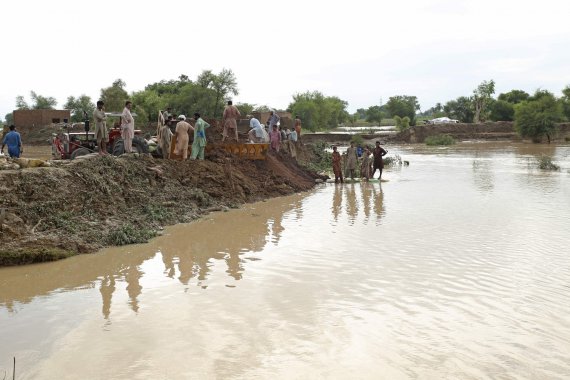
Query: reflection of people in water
x,y
337,202
107,289
366,192
134,289
351,203
378,202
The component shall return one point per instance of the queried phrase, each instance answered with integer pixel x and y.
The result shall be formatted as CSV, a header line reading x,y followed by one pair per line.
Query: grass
x,y
34,255
321,160
440,140
129,234
545,163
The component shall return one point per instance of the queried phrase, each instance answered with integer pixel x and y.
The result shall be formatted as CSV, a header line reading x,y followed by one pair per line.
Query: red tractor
x,y
69,145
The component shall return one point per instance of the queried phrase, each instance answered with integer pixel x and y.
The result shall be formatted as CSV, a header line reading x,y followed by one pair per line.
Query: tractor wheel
x,y
79,152
118,147
139,146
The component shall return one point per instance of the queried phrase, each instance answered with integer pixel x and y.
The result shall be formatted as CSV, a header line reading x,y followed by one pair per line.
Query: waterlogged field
x,y
457,267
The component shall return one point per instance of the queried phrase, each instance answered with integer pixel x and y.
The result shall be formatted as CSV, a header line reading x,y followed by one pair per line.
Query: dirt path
x,y
80,206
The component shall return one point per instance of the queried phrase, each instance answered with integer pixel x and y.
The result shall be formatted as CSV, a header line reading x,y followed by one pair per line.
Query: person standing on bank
x,y
199,144
273,120
351,160
182,137
378,153
128,127
165,139
336,164
101,134
298,126
229,120
14,142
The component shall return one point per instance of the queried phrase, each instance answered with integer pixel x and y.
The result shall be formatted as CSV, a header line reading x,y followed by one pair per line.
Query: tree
x,y
224,84
565,101
115,96
514,96
318,111
460,109
482,96
403,105
501,110
21,103
79,107
538,116
435,111
374,114
402,123
9,118
148,103
361,112
245,108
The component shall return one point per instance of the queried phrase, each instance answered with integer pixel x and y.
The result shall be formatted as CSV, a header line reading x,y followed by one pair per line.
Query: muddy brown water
x,y
457,268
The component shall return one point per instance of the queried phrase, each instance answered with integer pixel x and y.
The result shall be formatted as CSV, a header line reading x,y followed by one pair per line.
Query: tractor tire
x,y
139,146
118,147
79,152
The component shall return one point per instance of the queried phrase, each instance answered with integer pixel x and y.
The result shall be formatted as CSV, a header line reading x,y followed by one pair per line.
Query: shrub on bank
x,y
440,140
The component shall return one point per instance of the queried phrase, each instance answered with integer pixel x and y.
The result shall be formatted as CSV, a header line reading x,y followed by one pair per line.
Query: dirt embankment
x,y
82,205
500,130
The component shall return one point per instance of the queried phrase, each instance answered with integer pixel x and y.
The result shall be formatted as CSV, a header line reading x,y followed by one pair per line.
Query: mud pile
x,y
82,205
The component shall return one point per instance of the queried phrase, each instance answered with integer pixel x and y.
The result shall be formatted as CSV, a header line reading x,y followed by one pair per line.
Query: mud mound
x,y
80,206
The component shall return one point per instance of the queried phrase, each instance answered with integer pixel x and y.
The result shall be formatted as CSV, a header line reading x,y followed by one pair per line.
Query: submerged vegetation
x,y
440,140
544,162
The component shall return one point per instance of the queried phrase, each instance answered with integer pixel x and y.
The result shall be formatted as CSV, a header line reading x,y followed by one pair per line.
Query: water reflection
x,y
183,256
365,197
483,175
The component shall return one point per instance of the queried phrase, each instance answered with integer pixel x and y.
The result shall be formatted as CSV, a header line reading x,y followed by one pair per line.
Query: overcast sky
x,y
361,51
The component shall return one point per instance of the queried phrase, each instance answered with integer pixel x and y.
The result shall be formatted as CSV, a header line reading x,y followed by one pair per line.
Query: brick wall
x,y
37,118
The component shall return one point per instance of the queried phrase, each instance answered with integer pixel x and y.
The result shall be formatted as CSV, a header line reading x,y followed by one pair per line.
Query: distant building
x,y
37,118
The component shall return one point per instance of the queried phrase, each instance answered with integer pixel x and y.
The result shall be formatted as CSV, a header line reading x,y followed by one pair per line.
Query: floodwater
x,y
458,267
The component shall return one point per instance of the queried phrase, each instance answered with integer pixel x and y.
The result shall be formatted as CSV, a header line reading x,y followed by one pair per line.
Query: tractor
x,y
69,145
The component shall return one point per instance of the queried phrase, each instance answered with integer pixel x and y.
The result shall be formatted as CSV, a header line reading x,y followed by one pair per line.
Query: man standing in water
x,y
101,127
336,160
351,160
378,153
14,142
199,144
128,127
229,120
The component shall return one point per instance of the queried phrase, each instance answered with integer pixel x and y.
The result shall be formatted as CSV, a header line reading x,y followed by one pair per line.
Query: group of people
x,y
182,137
368,165
272,132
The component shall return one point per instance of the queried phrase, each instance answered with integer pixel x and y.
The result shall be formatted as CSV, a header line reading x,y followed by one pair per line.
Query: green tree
x,y
79,107
21,103
9,118
565,101
502,110
537,117
374,114
115,96
245,108
224,84
482,96
514,96
361,112
402,123
460,109
39,102
148,103
318,111
403,105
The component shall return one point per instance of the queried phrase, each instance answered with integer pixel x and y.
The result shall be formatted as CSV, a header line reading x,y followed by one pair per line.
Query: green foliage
x,y
403,105
565,102
402,123
115,96
39,102
544,162
538,116
128,234
482,96
433,112
78,106
501,110
245,108
361,112
148,103
9,118
514,96
374,114
440,140
460,109
318,111
357,140
157,213
223,85
321,159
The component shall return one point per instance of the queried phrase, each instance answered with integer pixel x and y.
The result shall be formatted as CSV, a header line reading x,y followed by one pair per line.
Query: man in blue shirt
x,y
14,142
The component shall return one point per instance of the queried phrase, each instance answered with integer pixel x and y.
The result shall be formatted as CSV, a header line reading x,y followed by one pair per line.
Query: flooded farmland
x,y
457,267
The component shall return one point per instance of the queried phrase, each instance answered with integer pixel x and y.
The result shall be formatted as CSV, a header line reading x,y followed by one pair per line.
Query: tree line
x,y
534,115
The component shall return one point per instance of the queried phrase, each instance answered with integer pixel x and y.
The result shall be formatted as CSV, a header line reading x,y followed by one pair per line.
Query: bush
x,y
538,117
545,163
128,234
402,123
357,140
440,140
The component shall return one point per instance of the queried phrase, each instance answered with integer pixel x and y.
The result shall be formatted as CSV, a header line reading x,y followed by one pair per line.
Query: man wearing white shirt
x,y
128,127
